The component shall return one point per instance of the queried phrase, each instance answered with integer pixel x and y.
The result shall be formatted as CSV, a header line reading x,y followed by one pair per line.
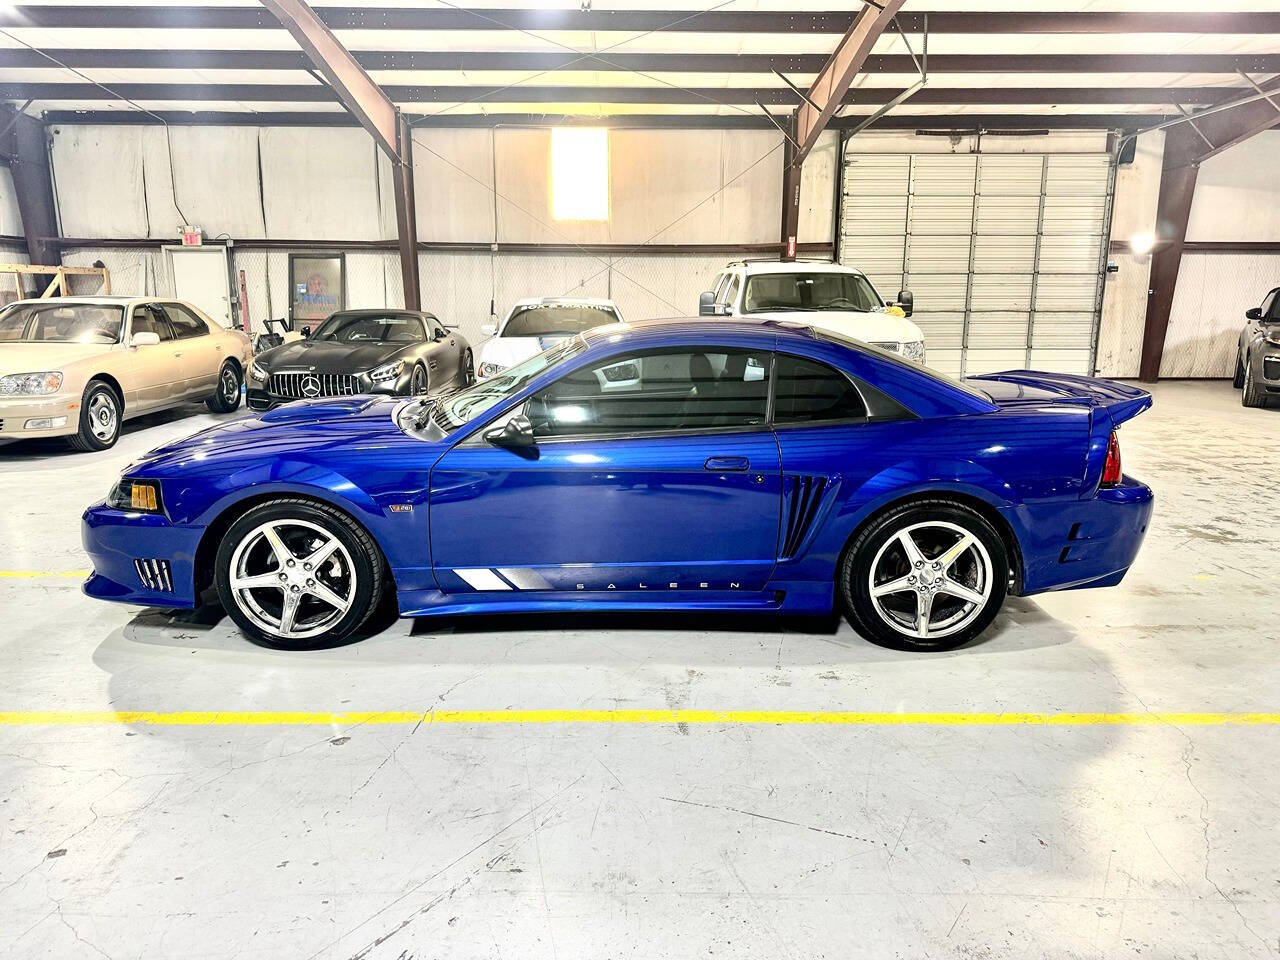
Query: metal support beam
x,y
1186,146
22,146
365,101
826,96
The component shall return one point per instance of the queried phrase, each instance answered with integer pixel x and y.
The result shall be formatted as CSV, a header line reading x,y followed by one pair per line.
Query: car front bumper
x,y
16,412
139,558
259,397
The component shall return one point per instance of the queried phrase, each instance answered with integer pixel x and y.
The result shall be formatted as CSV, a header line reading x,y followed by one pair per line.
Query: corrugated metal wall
x,y
1002,251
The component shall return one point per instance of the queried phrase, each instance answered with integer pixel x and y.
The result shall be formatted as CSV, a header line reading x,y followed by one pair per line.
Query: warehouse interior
x,y
1078,187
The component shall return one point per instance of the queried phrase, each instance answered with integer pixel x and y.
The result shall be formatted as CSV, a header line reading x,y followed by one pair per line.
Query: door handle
x,y
178,354
728,464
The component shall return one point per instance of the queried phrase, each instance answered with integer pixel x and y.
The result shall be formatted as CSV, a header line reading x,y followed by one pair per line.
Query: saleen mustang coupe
x,y
676,465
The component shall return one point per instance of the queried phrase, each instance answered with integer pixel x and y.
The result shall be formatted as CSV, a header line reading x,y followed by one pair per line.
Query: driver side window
x,y
147,319
1271,306
690,388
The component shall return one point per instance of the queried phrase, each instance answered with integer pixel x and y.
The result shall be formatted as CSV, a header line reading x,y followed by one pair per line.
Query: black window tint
x,y
185,323
809,391
688,389
150,320
1271,306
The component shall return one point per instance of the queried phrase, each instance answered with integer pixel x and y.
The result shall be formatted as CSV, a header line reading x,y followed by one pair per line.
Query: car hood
x,y
869,327
25,357
302,431
327,356
508,351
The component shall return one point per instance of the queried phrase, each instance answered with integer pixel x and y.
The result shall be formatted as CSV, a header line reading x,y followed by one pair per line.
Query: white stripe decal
x,y
525,579
483,579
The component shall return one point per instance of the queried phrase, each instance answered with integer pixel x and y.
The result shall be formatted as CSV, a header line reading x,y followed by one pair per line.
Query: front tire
x,y
929,575
100,415
1252,395
227,397
1237,380
468,368
294,574
418,383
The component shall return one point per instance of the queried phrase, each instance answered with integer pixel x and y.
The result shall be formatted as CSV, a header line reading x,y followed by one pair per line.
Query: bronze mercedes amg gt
x,y
398,352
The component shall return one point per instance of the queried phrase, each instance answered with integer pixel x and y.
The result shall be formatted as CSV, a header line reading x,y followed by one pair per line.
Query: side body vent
x,y
154,574
803,497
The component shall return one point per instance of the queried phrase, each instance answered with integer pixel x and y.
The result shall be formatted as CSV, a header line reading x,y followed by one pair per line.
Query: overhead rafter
x,y
376,113
791,64
627,21
1186,146
811,119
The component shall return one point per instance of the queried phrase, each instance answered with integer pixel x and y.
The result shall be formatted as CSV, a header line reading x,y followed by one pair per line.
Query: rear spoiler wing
x,y
1120,400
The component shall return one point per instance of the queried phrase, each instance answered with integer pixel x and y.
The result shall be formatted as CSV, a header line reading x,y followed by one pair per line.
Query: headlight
x,y
388,371
18,384
1272,336
913,350
140,495
490,369
256,372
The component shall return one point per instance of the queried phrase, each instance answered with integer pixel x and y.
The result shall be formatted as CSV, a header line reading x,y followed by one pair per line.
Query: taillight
x,y
1111,472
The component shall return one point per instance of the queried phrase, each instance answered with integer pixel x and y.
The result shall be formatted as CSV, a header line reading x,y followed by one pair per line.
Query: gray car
x,y
1258,353
400,352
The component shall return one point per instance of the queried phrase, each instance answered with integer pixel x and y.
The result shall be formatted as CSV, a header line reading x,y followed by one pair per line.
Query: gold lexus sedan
x,y
79,366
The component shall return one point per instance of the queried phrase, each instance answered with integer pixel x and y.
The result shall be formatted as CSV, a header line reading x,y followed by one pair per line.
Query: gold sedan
x,y
80,366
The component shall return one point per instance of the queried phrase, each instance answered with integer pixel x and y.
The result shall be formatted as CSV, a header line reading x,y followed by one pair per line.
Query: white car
x,y
535,324
820,294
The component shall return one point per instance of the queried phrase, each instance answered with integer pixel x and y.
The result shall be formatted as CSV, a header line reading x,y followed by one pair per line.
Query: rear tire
x,y
227,396
938,557
100,416
331,599
1237,380
1252,395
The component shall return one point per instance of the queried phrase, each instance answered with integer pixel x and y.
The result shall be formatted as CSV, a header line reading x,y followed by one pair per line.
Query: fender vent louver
x,y
804,496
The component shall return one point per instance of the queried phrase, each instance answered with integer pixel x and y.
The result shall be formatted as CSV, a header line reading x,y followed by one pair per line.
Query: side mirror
x,y
516,434
707,304
489,329
438,335
905,301
306,331
144,338
1253,313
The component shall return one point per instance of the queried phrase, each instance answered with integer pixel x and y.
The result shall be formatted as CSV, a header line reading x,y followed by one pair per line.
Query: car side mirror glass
x,y
306,331
1253,313
516,434
489,329
145,338
438,334
905,301
707,304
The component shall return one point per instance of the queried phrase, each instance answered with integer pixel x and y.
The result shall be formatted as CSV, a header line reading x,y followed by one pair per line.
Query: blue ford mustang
x,y
670,465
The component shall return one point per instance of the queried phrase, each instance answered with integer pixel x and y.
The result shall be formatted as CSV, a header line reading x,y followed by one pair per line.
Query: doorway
x,y
201,276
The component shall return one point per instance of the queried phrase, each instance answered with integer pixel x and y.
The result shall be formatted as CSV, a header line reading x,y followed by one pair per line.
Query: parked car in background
x,y
399,352
1257,373
80,366
537,323
819,293
835,474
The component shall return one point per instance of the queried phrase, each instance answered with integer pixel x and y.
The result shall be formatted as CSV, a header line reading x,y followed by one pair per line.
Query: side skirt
x,y
429,603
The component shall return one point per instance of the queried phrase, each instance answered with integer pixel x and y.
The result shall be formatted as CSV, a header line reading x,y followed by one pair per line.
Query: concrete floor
x,y
645,841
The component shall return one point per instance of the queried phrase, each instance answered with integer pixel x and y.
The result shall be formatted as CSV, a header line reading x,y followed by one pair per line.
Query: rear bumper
x,y
1089,543
139,558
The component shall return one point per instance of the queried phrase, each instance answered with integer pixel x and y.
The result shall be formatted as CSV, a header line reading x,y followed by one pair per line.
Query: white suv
x,y
820,294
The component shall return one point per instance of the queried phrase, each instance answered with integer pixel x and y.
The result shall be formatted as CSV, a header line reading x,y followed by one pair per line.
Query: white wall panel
x,y
214,181
1238,193
1214,290
320,184
98,177
452,184
10,218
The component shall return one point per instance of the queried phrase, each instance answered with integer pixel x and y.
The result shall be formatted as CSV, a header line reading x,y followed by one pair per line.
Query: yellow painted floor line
x,y
37,574
250,718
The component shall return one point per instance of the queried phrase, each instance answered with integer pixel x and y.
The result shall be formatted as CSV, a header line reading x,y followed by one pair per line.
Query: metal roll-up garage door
x,y
1003,252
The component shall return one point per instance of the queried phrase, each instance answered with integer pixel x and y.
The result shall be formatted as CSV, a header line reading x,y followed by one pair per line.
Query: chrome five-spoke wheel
x,y
292,578
926,575
931,580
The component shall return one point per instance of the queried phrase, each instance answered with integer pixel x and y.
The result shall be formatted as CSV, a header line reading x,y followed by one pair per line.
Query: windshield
x,y
538,321
465,405
809,291
371,328
62,323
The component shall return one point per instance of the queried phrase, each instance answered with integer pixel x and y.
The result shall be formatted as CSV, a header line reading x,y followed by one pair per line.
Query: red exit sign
x,y
192,237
